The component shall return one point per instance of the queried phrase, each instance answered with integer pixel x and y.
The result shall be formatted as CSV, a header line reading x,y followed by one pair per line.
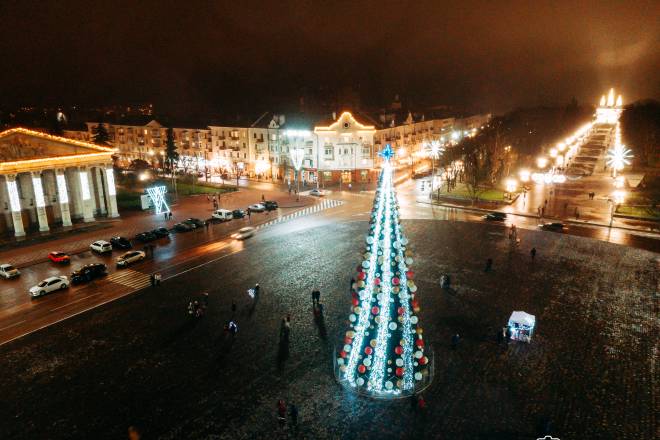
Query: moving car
x,y
48,285
555,227
184,227
161,232
244,233
8,271
129,258
88,272
195,221
222,215
495,216
257,207
317,192
145,237
270,205
121,242
59,257
238,213
101,246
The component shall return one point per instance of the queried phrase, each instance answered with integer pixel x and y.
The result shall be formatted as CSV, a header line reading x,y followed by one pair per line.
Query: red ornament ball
x,y
419,343
375,310
398,349
399,371
395,281
361,276
377,281
368,350
347,340
423,360
410,274
362,369
355,301
342,354
401,310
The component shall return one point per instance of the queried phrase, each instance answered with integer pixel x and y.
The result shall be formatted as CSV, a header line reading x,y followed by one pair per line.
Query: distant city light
x,y
511,185
542,162
524,175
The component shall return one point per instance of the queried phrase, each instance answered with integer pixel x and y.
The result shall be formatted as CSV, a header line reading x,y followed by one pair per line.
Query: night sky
x,y
229,56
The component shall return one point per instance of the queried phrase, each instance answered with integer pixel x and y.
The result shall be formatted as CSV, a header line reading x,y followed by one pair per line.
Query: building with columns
x,y
49,180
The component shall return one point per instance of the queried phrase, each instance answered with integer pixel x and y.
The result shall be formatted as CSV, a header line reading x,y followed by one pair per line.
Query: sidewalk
x,y
130,223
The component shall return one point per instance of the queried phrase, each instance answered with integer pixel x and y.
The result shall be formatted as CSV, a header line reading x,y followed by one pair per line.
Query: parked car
x,y
555,227
121,242
257,207
48,285
195,221
184,227
161,232
244,233
101,246
317,192
238,213
8,271
495,216
270,205
59,257
129,258
144,237
88,272
222,215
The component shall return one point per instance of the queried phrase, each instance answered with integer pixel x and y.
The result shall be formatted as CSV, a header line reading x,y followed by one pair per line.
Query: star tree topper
x,y
387,152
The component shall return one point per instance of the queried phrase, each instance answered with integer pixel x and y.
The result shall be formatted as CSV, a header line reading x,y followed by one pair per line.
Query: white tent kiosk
x,y
521,325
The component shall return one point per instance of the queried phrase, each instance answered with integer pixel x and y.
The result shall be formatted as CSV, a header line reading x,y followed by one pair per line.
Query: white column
x,y
99,188
112,192
63,196
85,195
15,204
40,201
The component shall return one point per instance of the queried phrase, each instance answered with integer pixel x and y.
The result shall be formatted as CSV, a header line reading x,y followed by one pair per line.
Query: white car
x,y
130,257
8,271
244,233
317,192
222,214
101,246
257,207
49,285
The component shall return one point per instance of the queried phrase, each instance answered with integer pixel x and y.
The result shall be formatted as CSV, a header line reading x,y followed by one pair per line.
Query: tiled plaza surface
x,y
590,368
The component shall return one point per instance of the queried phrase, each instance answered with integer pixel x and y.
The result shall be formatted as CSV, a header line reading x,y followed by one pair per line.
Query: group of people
x,y
282,413
167,215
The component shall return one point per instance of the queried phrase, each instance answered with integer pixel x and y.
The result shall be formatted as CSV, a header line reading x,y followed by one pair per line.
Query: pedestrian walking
x,y
454,341
152,278
532,253
281,413
249,213
232,328
233,307
158,278
263,198
293,413
489,265
316,296
165,215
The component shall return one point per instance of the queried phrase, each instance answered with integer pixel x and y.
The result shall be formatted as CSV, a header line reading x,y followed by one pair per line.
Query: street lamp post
x,y
297,154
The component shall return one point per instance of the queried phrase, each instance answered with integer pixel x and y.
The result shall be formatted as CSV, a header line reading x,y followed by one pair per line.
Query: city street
x,y
142,361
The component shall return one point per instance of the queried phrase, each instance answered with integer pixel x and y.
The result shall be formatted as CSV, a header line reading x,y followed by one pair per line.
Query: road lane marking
x,y
12,325
76,301
130,278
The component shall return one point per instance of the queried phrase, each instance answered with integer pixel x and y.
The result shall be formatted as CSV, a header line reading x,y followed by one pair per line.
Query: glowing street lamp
x,y
553,152
524,175
542,162
297,155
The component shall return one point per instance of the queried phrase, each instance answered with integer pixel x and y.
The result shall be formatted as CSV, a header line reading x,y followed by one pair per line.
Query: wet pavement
x,y
140,360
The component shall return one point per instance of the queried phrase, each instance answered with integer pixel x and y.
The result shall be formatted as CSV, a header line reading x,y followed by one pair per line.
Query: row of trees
x,y
515,138
640,127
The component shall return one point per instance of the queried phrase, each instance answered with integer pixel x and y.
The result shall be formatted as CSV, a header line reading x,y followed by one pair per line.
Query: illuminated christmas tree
x,y
382,354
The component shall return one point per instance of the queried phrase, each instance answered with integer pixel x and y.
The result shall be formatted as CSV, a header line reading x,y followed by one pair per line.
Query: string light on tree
x,y
383,352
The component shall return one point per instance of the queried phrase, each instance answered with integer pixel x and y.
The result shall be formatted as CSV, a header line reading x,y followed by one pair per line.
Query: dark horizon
x,y
231,57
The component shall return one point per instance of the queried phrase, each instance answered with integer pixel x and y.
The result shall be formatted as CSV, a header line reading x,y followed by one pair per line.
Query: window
x,y
309,151
328,151
366,151
273,137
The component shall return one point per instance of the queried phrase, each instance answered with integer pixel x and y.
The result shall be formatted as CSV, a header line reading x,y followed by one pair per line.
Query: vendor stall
x,y
521,326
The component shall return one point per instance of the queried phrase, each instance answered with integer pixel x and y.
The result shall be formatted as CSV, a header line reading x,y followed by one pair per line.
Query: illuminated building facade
x,y
49,180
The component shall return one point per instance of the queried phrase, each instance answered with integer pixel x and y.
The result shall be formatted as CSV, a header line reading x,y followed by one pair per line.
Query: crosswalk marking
x,y
325,204
131,278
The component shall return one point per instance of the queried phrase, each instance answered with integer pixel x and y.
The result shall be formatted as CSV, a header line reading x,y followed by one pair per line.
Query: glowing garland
x,y
377,364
